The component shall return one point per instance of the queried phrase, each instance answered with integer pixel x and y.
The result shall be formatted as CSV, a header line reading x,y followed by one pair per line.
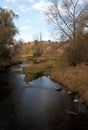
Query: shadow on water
x,y
37,106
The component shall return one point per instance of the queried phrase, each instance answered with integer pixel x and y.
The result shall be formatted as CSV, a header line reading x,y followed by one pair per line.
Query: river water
x,y
36,105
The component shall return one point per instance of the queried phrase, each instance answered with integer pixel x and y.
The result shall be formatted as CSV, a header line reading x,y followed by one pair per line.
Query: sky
x,y
30,22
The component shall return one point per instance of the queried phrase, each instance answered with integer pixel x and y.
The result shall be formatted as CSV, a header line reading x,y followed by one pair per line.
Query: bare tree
x,y
40,36
37,36
69,17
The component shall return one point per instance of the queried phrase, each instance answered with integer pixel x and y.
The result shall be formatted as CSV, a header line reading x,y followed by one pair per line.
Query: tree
x,y
37,36
7,27
7,33
38,48
78,53
17,48
69,17
4,53
70,21
40,36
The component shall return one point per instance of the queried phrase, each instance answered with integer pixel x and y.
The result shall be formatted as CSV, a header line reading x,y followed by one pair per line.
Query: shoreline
x,y
8,64
73,83
74,79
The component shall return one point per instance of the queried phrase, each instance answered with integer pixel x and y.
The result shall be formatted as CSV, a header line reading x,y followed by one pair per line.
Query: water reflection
x,y
43,82
37,106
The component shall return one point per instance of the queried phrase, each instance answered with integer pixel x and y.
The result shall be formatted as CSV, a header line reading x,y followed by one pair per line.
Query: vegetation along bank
x,y
74,78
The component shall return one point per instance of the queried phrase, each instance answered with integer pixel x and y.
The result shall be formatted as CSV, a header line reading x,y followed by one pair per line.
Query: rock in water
x,y
58,88
76,100
69,92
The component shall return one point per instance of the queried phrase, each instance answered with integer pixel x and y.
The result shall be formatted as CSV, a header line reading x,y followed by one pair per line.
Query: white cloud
x,y
5,7
38,6
28,20
41,5
10,0
24,28
31,1
23,8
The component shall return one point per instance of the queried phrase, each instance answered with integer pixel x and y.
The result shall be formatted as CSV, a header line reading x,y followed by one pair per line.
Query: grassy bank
x,y
42,66
73,78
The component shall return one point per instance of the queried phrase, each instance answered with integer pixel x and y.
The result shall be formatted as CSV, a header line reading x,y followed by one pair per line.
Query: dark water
x,y
36,105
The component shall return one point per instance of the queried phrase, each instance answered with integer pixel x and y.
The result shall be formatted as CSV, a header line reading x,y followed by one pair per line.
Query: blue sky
x,y
31,18
30,22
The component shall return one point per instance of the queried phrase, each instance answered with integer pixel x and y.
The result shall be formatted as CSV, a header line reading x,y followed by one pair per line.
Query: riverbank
x,y
5,64
75,79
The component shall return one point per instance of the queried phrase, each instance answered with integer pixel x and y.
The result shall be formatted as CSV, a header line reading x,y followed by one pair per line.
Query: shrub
x,y
38,74
38,49
37,52
78,53
4,53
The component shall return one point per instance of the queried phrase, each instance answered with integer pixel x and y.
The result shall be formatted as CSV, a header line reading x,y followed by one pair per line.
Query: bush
x,y
38,74
4,53
78,53
38,49
37,52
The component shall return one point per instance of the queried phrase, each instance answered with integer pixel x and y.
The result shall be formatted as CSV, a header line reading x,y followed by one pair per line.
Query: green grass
x,y
43,67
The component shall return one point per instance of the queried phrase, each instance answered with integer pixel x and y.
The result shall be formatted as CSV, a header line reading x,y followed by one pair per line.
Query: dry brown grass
x,y
74,78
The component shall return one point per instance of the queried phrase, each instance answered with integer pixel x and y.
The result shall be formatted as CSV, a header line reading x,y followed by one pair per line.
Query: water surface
x,y
36,105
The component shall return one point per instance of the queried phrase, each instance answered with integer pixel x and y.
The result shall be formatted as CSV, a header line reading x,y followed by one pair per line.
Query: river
x,y
36,105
